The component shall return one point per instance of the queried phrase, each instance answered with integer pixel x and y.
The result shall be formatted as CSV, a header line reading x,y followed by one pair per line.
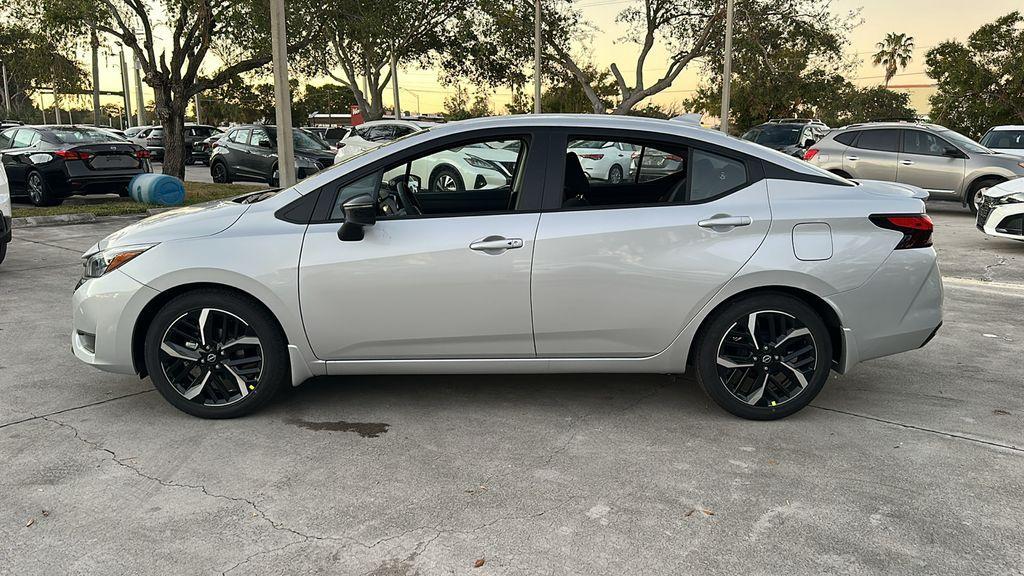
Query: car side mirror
x,y
952,153
809,142
265,144
359,211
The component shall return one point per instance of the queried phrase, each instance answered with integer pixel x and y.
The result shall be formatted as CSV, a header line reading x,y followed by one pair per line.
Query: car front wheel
x,y
764,357
216,354
976,195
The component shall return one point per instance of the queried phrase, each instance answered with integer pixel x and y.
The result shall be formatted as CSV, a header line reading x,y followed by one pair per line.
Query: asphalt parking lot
x,y
912,464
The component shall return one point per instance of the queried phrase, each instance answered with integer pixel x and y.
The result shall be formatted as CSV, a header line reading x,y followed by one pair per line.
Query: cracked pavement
x,y
912,464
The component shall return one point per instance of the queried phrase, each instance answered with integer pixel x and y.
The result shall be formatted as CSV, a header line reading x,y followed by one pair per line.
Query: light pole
x,y
727,68
124,86
536,56
7,91
282,95
140,106
394,81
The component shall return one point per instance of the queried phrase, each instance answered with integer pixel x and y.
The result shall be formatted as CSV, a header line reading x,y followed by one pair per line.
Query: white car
x,y
1007,139
5,214
478,166
1001,212
374,134
608,161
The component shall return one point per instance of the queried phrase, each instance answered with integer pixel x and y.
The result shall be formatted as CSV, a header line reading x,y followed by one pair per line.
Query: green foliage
x,y
894,52
980,83
329,98
34,59
459,106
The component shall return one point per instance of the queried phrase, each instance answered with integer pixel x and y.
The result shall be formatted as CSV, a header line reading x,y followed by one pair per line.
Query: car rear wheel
x,y
39,192
215,354
615,174
764,357
219,173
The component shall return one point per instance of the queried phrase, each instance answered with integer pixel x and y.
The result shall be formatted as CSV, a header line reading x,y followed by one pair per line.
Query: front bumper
x,y
1001,220
105,311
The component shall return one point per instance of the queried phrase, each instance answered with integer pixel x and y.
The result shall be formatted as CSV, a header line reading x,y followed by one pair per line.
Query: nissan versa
x,y
761,272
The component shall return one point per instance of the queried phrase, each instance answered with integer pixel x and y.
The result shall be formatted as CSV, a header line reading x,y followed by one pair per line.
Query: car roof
x,y
1007,127
391,121
896,124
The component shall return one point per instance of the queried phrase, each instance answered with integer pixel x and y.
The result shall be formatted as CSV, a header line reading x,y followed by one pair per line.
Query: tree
x,y
459,107
33,60
980,83
329,98
895,51
237,31
362,37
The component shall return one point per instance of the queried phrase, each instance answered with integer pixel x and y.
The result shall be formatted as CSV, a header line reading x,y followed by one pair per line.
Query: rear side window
x,y
882,140
714,175
846,138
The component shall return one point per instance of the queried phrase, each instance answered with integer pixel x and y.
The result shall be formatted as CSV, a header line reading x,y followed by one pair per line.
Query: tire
x,y
785,321
274,179
123,192
219,173
446,179
974,194
239,378
3,251
615,174
39,192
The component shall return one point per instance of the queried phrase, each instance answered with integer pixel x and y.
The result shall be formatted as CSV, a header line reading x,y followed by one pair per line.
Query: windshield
x,y
81,135
775,134
1004,139
964,142
589,144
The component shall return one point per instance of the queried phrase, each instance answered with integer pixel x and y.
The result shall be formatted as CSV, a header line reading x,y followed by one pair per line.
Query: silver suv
x,y
949,165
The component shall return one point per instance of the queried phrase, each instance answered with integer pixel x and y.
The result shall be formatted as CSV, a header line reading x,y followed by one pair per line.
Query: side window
x,y
847,138
379,133
467,178
605,172
23,139
6,138
240,136
714,175
882,140
260,138
923,143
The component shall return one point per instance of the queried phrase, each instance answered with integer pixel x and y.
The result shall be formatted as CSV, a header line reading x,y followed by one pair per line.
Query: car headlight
x,y
99,263
478,162
1011,199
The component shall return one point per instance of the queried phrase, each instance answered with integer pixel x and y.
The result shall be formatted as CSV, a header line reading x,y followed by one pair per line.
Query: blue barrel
x,y
158,189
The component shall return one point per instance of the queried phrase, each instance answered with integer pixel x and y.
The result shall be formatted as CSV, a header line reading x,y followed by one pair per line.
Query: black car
x,y
201,149
50,163
331,135
153,139
791,136
250,153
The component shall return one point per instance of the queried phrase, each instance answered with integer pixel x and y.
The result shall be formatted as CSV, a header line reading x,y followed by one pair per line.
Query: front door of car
x,y
873,156
23,142
451,283
930,162
620,276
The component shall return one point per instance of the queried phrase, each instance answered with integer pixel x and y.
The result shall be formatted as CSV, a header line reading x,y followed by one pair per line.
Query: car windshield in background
x,y
1005,139
81,135
964,142
775,134
589,144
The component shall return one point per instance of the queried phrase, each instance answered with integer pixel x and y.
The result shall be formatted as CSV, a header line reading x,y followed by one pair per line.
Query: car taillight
x,y
916,228
592,156
73,154
142,154
811,153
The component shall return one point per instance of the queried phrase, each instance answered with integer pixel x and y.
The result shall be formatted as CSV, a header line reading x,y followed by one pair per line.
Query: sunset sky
x,y
928,21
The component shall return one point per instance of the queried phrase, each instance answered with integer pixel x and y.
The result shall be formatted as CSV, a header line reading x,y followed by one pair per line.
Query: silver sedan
x,y
759,272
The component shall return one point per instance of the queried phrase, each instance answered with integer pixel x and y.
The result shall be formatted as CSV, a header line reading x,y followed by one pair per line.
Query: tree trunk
x,y
171,111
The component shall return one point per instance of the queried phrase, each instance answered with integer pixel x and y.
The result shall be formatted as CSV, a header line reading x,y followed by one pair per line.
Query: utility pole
x,y
417,97
727,68
394,81
7,91
196,100
282,95
536,56
94,43
140,107
124,86
56,107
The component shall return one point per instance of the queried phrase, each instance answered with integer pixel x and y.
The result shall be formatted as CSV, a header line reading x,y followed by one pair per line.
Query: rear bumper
x,y
81,180
898,309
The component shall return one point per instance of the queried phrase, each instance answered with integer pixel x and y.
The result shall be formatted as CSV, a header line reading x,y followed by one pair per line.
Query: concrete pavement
x,y
912,464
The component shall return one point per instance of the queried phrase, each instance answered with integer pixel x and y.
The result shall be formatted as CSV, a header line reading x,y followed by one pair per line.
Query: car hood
x,y
492,154
880,188
1015,186
193,221
1015,152
315,154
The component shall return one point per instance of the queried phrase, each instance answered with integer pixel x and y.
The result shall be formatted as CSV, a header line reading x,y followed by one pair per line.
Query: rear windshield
x,y
1005,139
775,134
81,135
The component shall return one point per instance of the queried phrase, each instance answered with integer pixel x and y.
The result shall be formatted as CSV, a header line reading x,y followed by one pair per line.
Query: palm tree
x,y
895,51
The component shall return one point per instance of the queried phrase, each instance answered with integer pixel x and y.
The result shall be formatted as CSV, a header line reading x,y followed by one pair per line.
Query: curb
x,y
55,220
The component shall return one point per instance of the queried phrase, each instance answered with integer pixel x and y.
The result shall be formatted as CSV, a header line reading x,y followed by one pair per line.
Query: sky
x,y
928,21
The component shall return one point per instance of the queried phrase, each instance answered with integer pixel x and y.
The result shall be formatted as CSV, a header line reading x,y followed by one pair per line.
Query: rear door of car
x,y
238,152
262,153
621,273
924,162
873,156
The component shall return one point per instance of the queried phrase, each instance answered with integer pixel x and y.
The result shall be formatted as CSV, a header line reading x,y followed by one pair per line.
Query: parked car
x,y
1005,139
50,163
201,149
1001,213
5,215
115,133
791,136
249,152
949,165
370,135
476,166
152,138
733,266
132,131
611,161
331,135
4,124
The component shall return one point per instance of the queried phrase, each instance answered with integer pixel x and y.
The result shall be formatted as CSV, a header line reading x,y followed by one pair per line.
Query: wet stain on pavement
x,y
364,429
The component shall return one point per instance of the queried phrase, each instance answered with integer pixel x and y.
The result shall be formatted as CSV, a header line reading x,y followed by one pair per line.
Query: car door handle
x,y
852,158
725,222
496,244
907,162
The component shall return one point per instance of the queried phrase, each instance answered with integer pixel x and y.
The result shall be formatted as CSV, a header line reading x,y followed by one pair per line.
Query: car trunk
x,y
109,156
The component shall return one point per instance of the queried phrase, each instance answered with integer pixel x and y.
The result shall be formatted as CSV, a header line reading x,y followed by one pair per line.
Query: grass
x,y
110,205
